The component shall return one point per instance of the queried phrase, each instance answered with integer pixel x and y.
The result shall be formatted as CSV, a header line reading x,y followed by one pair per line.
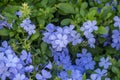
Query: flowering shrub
x,y
59,40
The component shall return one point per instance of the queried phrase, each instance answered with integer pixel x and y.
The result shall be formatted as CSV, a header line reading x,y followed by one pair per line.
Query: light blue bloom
x,y
60,37
18,13
89,26
60,42
11,61
105,63
50,27
19,77
116,21
116,39
85,61
11,64
49,65
28,26
99,74
44,75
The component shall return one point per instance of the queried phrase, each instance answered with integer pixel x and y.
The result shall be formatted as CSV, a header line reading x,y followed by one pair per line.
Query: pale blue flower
x,y
28,26
105,62
11,61
19,77
117,21
99,74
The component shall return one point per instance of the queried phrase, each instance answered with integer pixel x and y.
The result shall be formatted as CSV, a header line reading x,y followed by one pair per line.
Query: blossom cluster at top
x,y
12,66
59,37
88,27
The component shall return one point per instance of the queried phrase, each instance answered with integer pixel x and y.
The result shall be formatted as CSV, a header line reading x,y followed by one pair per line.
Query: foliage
x,y
24,24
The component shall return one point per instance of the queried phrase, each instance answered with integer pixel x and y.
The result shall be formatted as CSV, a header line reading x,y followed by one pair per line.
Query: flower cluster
x,y
12,66
59,37
83,62
116,34
117,21
28,26
101,73
88,27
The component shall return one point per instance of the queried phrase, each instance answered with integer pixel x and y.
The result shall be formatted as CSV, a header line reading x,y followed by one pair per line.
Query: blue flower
x,y
59,37
116,39
19,77
18,13
44,75
76,75
28,26
117,21
84,60
50,27
99,74
49,65
76,38
11,66
6,48
11,61
60,42
89,26
105,63
63,75
3,23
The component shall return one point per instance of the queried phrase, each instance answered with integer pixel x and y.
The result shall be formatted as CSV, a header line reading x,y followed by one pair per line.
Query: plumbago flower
x,y
60,37
13,67
4,23
19,77
88,27
116,21
116,39
28,26
44,74
83,62
98,74
105,62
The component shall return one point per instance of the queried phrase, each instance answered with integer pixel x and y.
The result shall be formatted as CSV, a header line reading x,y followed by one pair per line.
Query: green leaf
x,y
115,70
35,36
43,47
62,0
84,5
69,72
102,30
44,3
82,12
84,77
66,7
4,32
118,63
66,21
91,14
118,8
12,34
108,15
